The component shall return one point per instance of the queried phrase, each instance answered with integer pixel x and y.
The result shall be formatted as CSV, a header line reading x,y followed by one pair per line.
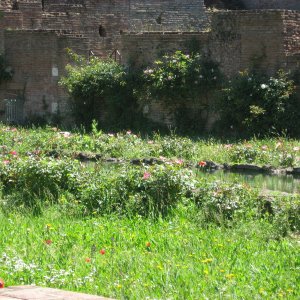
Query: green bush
x,y
94,83
257,105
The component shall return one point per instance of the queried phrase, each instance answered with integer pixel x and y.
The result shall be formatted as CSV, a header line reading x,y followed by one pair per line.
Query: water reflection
x,y
282,183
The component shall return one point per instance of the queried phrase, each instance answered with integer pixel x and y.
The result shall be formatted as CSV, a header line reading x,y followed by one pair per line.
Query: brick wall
x,y
38,60
166,15
139,49
260,39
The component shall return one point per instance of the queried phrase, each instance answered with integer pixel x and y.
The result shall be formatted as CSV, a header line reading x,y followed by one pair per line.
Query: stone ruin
x,y
34,36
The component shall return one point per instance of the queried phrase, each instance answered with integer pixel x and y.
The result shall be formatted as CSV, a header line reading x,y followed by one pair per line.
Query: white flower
x,y
263,86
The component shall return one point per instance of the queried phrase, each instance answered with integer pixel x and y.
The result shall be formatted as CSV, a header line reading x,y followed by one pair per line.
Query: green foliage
x,y
93,85
179,77
253,104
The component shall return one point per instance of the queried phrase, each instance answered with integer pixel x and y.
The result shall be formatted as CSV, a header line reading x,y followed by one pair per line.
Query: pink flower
x,y
128,132
264,147
6,162
228,146
14,129
14,153
179,161
146,175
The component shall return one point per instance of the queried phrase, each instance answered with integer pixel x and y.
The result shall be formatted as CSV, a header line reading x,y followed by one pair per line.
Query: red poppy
x,y
88,260
1,283
102,251
48,242
202,163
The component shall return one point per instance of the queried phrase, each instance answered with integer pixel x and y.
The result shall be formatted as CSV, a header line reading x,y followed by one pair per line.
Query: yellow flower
x,y
206,261
229,276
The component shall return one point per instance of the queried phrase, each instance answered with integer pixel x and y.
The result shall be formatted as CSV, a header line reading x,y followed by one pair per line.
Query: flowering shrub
x,y
181,76
253,104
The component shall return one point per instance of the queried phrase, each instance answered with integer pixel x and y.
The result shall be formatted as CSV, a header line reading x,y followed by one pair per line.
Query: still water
x,y
281,183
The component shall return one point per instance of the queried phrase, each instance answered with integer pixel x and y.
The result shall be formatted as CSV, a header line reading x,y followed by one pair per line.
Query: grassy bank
x,y
274,151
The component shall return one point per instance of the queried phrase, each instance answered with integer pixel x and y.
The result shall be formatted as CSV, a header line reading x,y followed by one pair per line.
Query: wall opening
x,y
102,31
15,5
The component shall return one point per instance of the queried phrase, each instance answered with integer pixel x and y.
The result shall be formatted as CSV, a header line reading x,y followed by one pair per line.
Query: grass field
x,y
145,232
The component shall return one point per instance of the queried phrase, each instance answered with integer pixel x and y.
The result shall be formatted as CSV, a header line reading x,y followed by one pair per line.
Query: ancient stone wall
x,y
167,15
141,49
265,40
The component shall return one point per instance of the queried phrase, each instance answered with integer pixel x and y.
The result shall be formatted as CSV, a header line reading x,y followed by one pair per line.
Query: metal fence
x,y
13,110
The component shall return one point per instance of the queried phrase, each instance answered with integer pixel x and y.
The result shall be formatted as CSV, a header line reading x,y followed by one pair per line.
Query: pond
x,y
281,183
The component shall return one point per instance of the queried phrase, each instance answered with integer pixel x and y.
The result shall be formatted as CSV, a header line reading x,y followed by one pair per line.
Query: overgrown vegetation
x,y
193,90
257,105
143,230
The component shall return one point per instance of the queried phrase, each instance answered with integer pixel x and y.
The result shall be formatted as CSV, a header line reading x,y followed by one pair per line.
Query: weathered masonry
x,y
34,36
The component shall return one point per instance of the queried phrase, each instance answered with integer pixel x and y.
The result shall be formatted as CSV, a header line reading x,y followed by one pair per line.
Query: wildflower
x,y
264,147
228,146
128,132
1,283
87,260
14,129
148,244
179,161
148,71
102,251
48,226
146,175
263,86
202,163
6,162
13,153
229,276
48,242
